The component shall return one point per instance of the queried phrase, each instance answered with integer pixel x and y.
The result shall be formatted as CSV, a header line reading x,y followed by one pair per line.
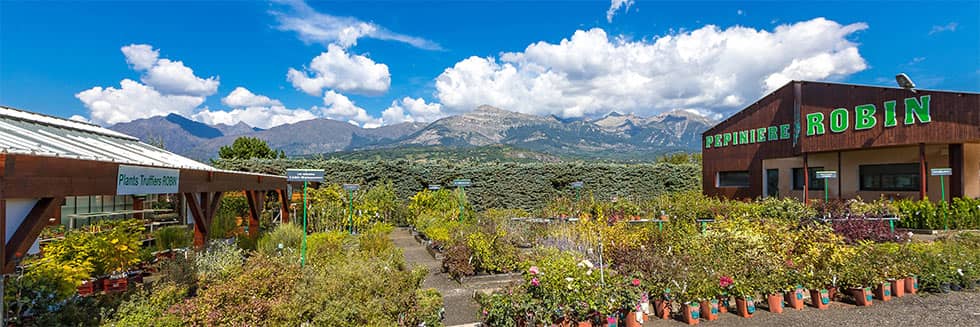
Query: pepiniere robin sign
x,y
840,120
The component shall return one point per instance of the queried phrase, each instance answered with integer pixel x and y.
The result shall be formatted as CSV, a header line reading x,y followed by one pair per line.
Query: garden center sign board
x,y
146,180
865,116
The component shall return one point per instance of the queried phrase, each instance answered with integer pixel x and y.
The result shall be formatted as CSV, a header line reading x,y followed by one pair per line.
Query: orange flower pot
x,y
794,299
635,319
911,285
820,299
709,310
691,313
898,287
884,291
584,324
745,306
862,296
723,304
775,302
662,308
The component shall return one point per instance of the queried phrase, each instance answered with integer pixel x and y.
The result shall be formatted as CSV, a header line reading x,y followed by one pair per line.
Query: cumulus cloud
x,y
262,117
710,68
168,87
242,97
133,100
337,69
315,27
339,107
411,110
951,27
614,7
79,118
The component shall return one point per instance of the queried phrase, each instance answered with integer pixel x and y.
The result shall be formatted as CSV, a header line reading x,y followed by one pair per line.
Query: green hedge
x,y
526,186
960,213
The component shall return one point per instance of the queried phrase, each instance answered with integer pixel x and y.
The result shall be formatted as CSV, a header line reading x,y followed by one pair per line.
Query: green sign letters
x,y
916,110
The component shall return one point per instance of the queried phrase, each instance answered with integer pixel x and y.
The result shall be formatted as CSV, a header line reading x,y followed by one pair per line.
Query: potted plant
x,y
744,293
859,274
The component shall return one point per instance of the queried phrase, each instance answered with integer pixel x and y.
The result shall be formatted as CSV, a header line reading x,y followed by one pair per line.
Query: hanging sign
x,y
826,174
146,180
304,175
941,171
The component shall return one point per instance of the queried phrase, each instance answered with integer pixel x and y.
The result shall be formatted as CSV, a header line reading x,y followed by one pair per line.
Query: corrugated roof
x,y
33,133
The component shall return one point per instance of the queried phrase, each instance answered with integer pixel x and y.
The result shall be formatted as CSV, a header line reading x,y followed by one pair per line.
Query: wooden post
x,y
200,230
840,177
29,230
922,171
256,202
956,182
284,200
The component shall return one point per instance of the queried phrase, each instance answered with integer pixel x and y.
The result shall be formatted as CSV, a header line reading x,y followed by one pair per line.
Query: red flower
x,y
535,282
636,282
725,281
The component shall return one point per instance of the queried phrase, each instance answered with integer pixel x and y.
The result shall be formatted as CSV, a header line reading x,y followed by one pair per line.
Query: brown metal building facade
x,y
881,141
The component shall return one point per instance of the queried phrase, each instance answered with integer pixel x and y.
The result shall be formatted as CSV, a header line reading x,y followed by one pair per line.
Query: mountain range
x,y
615,136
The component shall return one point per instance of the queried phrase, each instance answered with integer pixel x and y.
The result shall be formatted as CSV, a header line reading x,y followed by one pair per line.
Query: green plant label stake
x,y
302,260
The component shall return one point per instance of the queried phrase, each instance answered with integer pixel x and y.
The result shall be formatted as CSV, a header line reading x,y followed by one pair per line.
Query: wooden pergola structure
x,y
44,159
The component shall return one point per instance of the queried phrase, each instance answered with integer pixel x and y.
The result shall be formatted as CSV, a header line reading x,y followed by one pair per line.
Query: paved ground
x,y
461,308
953,309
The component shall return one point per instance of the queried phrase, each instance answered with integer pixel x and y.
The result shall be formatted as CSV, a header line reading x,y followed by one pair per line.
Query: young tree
x,y
247,148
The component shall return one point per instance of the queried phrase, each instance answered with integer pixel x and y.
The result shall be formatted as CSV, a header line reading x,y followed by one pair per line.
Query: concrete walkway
x,y
461,307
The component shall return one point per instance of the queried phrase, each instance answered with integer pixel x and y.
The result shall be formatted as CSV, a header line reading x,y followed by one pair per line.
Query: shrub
x,y
148,307
289,236
173,237
221,261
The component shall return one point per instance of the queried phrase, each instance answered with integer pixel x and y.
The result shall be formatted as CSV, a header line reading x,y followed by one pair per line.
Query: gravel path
x,y
952,309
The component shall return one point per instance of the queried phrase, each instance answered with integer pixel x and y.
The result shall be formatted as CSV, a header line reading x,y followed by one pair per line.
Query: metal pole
x,y
462,193
350,216
891,224
302,261
826,191
942,191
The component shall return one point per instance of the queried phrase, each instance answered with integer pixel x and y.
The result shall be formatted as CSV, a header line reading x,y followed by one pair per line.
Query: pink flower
x,y
636,282
535,282
725,281
533,270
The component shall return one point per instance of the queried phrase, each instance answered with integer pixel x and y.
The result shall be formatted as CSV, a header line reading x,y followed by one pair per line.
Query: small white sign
x,y
941,171
826,174
146,180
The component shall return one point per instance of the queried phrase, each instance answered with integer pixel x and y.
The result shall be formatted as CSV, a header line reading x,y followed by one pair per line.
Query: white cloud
x,y
168,87
315,27
614,6
340,107
708,69
340,70
175,78
140,56
951,27
411,110
242,97
262,117
79,118
133,100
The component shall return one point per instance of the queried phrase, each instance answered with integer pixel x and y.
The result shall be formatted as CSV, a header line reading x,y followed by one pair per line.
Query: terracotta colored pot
x,y
661,308
563,322
775,302
691,313
820,299
745,306
635,319
794,298
709,309
88,287
862,296
898,287
723,304
115,285
911,285
584,324
832,291
884,291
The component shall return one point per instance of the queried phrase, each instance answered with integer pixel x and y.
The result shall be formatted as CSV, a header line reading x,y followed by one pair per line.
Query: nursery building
x,y
840,141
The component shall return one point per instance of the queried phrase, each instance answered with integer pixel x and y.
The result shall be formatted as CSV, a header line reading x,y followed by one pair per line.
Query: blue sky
x,y
394,61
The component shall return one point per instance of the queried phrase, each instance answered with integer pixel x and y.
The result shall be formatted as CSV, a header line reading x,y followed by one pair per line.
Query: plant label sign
x,y
434,187
941,171
826,174
351,187
146,180
577,184
462,182
304,175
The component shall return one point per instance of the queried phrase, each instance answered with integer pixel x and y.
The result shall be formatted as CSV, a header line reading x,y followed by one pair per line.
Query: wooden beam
x,y
200,230
284,201
806,179
215,204
256,204
29,230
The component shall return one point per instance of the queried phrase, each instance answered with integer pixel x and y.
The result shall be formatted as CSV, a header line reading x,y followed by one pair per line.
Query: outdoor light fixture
x,y
905,82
